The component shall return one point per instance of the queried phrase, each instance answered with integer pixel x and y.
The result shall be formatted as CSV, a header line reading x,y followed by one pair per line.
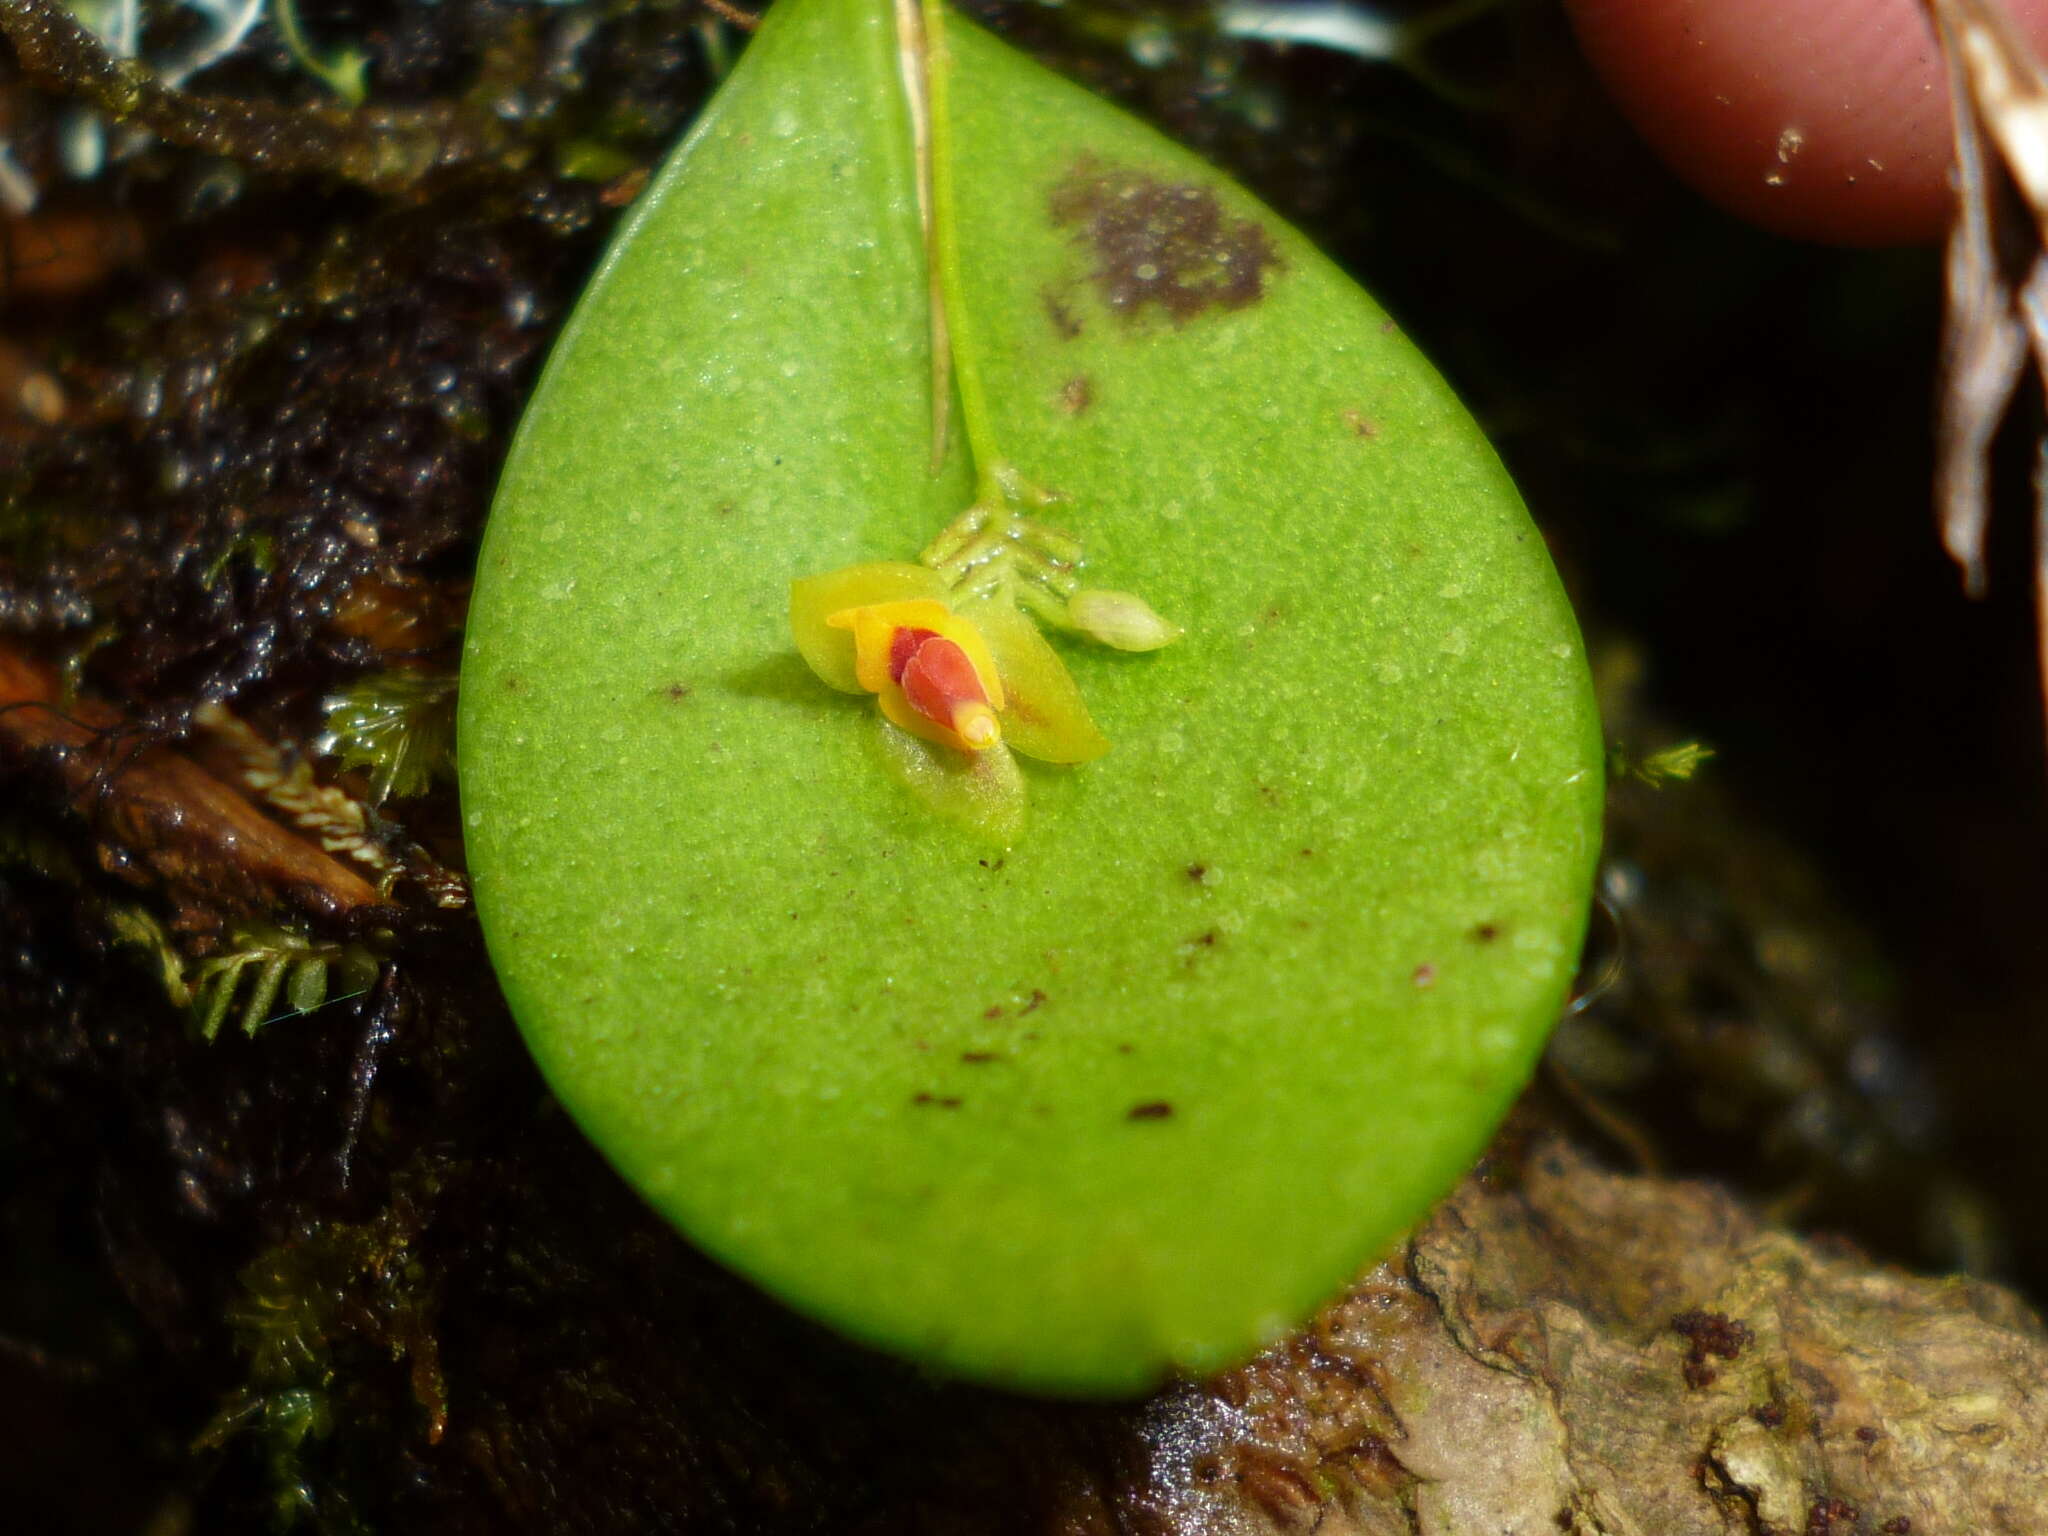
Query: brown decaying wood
x,y
158,813
1567,1349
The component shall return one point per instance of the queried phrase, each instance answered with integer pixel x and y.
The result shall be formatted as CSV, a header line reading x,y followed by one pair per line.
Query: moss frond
x,y
399,727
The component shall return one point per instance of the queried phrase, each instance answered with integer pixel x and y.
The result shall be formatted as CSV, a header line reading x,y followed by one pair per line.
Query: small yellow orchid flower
x,y
929,668
971,674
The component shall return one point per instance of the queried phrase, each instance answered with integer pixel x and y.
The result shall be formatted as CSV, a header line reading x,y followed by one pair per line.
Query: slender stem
x,y
342,71
974,414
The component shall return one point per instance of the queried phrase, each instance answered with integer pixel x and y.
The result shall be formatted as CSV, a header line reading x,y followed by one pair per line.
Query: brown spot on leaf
x,y
677,692
1425,975
1169,244
1038,1000
979,1058
934,1101
1361,425
1065,323
1077,395
992,1011
1156,1109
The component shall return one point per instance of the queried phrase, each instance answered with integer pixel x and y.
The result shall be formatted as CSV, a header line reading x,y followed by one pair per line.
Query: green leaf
x,y
1242,996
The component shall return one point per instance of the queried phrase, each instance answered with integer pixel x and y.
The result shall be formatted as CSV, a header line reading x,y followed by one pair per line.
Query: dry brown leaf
x,y
1997,274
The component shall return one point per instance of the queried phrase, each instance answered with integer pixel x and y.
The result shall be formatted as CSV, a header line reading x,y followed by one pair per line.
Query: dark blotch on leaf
x,y
1157,1109
1169,244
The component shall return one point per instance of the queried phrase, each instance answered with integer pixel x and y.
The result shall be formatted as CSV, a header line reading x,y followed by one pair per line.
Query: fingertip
x,y
1821,119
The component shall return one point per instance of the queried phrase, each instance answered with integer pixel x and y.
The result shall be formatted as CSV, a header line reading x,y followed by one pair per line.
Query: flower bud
x,y
1120,619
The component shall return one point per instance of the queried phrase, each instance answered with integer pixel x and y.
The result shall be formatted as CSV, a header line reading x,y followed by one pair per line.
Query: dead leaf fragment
x,y
1997,274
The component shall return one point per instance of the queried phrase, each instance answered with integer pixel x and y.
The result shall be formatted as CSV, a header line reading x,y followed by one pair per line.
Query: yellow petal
x,y
1044,716
829,651
874,629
